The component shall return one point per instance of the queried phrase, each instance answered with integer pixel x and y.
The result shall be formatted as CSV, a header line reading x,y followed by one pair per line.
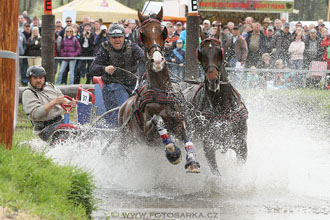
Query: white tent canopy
x,y
108,10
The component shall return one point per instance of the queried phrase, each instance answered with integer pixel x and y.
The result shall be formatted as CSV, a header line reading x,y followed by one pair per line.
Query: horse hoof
x,y
193,168
173,154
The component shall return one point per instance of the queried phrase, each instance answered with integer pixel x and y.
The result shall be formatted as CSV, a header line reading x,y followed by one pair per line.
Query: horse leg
x,y
241,149
173,153
210,155
192,165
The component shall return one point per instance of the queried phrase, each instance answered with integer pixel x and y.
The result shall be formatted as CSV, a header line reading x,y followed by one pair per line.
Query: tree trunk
x,y
8,45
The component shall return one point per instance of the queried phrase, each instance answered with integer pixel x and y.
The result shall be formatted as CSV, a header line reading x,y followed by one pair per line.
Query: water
x,y
286,176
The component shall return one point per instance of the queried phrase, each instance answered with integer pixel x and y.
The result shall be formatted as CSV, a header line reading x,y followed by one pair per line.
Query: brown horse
x,y
156,107
224,115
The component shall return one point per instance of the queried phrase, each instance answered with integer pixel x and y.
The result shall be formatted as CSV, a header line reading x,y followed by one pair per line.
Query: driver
x,y
41,102
112,58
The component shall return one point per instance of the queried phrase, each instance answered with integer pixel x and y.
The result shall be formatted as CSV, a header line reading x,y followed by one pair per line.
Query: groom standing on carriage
x,y
120,62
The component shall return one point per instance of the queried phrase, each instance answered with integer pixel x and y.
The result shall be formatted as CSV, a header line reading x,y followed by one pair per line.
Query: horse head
x,y
210,55
153,36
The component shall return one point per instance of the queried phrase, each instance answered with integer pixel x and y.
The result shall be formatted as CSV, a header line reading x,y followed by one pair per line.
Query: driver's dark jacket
x,y
131,57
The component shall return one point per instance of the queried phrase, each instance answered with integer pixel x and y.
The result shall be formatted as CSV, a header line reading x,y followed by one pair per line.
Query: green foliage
x,y
30,181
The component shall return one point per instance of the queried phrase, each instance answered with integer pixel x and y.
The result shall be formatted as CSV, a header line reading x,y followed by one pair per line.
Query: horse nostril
x,y
152,60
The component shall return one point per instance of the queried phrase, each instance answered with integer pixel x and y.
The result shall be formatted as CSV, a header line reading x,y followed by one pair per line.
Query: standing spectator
x,y
36,23
100,38
58,26
266,24
249,20
178,57
236,52
296,51
265,76
256,45
33,48
68,21
178,28
268,39
246,28
313,49
86,20
70,47
281,42
222,36
21,23
27,17
132,34
230,28
326,45
22,64
87,50
283,21
170,42
206,27
236,49
226,31
27,31
305,31
252,78
58,39
183,37
277,25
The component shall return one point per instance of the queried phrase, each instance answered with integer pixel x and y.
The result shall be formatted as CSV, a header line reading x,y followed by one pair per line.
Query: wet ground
x,y
286,176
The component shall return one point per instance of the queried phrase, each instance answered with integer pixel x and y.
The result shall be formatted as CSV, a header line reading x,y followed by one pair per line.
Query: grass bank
x,y
33,184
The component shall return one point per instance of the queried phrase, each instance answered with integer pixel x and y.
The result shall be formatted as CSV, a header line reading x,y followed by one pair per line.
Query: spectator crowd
x,y
249,44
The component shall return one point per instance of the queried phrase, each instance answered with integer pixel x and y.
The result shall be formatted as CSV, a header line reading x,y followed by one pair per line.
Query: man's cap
x,y
35,71
116,30
270,28
267,20
87,24
179,41
322,24
287,25
58,20
27,25
235,27
103,27
206,22
178,23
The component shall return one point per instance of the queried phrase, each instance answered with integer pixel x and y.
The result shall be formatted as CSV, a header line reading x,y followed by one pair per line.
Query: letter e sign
x,y
47,7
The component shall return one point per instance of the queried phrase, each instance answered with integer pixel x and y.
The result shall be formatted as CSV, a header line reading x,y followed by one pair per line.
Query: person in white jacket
x,y
296,51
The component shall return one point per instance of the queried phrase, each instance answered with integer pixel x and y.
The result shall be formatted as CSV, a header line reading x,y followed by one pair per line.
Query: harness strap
x,y
150,96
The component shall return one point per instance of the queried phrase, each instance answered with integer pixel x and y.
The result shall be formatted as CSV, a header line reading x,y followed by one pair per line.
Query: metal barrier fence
x,y
177,76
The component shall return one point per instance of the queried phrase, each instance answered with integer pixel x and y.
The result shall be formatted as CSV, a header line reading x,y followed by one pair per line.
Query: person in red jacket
x,y
326,56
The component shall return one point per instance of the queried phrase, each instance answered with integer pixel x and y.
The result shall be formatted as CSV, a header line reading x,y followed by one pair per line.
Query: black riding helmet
x,y
35,71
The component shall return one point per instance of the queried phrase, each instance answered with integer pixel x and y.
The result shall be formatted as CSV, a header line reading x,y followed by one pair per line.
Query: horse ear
x,y
140,16
160,14
164,33
201,34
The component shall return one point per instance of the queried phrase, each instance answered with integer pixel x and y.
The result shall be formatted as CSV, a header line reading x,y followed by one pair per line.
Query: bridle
x,y
218,68
156,47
